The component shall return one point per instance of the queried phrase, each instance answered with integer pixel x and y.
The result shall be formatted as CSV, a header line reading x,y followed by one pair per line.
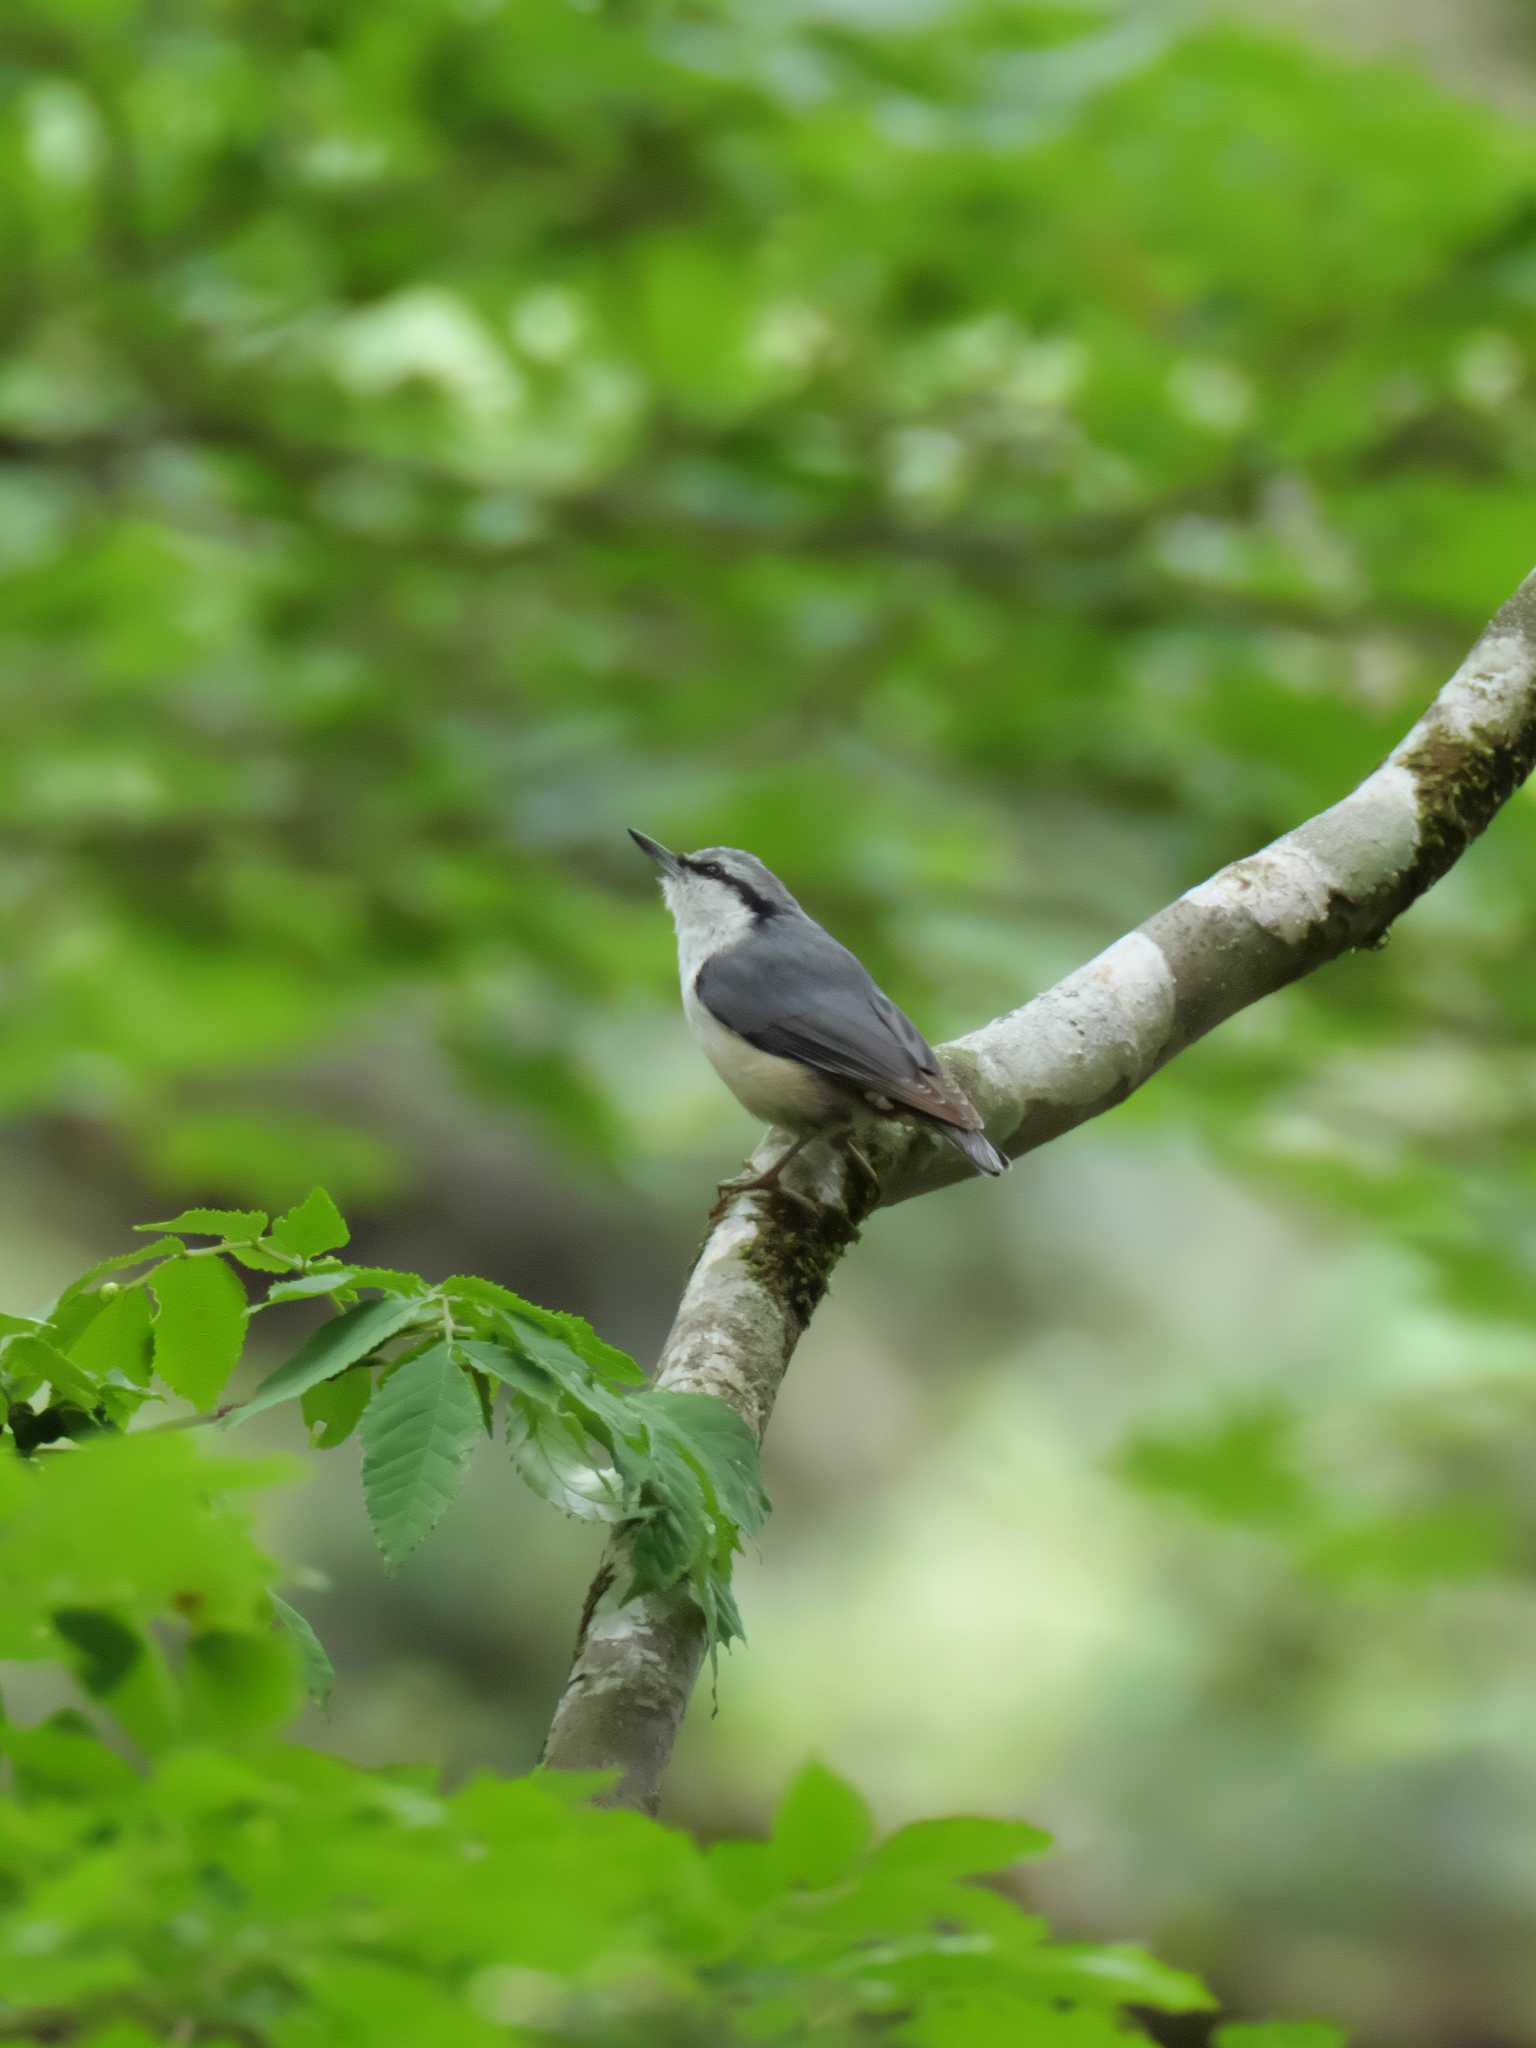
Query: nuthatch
x,y
791,1021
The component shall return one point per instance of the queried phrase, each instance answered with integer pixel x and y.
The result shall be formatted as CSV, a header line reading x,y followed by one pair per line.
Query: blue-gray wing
x,y
794,991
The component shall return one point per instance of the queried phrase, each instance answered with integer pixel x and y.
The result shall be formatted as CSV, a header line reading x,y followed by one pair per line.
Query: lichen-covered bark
x,y
1335,883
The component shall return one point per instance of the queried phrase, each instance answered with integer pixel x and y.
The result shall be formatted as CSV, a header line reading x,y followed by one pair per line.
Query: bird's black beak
x,y
654,850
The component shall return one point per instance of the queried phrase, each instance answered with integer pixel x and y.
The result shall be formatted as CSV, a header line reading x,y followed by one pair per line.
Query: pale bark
x,y
1335,883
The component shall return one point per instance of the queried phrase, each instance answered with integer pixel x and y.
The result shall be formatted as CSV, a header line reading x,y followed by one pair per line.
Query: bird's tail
x,y
976,1146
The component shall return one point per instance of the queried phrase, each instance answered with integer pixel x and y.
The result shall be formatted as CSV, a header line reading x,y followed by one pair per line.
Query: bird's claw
x,y
856,1152
753,1183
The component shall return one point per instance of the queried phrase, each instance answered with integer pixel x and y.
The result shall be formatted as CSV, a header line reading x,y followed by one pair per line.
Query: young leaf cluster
x,y
420,1371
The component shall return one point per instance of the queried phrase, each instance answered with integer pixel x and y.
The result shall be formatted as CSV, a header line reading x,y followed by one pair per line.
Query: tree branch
x,y
1335,883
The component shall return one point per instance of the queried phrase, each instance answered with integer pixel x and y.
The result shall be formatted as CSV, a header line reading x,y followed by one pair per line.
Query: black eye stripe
x,y
758,904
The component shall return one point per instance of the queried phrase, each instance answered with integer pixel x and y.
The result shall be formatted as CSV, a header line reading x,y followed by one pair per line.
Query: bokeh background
x,y
999,463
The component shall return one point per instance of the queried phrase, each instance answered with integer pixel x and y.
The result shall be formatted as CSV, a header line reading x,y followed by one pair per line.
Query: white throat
x,y
709,916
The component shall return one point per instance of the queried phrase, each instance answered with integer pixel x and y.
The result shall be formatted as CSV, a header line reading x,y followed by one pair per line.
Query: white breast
x,y
776,1090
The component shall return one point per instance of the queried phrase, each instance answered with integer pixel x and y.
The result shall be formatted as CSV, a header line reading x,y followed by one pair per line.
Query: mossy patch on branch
x,y
1463,780
797,1247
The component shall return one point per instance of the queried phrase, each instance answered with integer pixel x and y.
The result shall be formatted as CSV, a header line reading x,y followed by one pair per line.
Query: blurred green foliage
x,y
231,1888
998,462
429,433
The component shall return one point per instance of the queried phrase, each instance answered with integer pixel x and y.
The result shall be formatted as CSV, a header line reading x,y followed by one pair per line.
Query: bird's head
x,y
718,893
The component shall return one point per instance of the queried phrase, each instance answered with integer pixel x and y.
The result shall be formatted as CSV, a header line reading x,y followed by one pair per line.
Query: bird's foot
x,y
856,1153
745,1184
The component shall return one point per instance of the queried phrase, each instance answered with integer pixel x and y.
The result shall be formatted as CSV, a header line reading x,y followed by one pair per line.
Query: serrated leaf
x,y
319,1671
261,1258
821,1829
388,1279
163,1247
316,1225
224,1223
545,1332
118,1338
509,1367
471,1288
308,1284
417,1435
334,1346
200,1329
526,1320
553,1457
333,1409
715,1436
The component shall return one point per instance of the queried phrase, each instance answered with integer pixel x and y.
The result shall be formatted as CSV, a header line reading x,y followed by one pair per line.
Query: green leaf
x,y
699,1495
388,1279
961,1847
333,1409
551,1429
316,1225
474,1291
106,1649
31,1361
164,1247
118,1339
237,1682
553,1456
485,1394
417,1436
1242,1470
261,1258
1000,2017
821,1829
334,1346
200,1329
223,1223
525,1321
1118,1973
715,1436
64,1756
1447,1540
1279,2034
319,1672
308,1284
145,1527
510,1367
122,1667
681,1468
547,1334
